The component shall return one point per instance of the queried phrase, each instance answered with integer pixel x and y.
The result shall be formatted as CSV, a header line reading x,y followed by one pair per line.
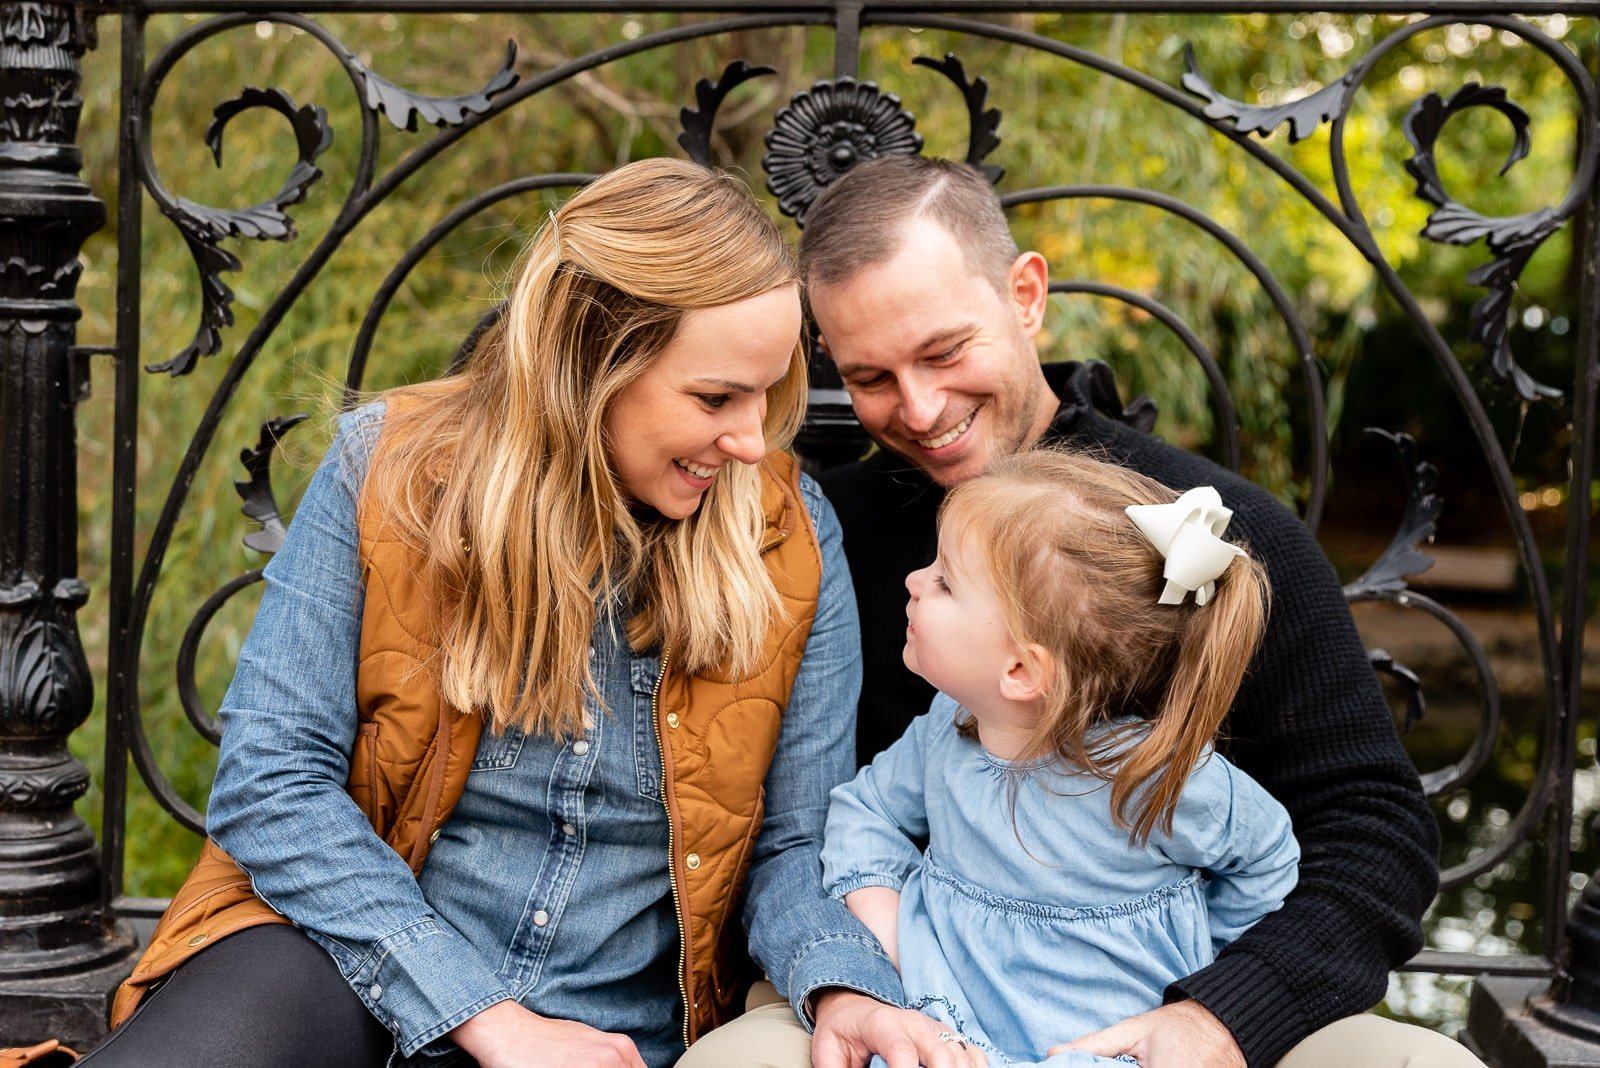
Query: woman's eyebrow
x,y
724,383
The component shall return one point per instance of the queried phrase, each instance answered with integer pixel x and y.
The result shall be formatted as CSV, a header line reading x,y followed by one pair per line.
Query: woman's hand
x,y
851,1027
506,1035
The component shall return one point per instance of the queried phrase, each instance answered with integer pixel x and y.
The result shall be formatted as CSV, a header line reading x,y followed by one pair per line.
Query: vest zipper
x,y
672,863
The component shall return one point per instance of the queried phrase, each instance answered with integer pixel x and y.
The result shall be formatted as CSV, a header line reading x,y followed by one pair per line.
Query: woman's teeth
x,y
696,469
948,436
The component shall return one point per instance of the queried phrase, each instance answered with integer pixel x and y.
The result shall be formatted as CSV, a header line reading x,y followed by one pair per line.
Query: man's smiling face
x,y
940,365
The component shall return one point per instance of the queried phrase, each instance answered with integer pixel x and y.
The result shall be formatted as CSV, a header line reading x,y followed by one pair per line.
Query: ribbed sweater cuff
x,y
1253,1001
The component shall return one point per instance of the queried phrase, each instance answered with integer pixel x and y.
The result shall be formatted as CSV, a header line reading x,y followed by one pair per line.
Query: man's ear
x,y
1029,281
1030,674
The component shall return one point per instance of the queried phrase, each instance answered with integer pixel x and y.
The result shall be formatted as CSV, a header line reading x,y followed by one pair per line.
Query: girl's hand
x,y
506,1035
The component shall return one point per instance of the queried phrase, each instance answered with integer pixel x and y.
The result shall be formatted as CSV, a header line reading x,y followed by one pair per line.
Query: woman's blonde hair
x,y
1076,577
500,477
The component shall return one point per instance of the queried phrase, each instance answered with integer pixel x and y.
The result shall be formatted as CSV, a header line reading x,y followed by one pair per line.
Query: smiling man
x,y
931,313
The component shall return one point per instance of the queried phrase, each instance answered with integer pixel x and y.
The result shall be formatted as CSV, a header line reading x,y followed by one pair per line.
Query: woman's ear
x,y
1029,675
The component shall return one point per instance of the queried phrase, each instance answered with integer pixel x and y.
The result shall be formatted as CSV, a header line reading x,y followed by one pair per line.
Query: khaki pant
x,y
768,1036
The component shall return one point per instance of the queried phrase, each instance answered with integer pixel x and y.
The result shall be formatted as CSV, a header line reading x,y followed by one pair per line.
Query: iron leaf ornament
x,y
826,130
1303,115
696,122
1404,558
404,108
204,227
1511,239
983,126
259,502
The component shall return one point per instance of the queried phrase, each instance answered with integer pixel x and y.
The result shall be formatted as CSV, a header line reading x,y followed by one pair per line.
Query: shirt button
x,y
581,746
567,828
199,938
692,860
672,719
541,918
375,992
591,652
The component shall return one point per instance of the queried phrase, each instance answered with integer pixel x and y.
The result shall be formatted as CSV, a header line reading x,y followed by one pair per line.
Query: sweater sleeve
x,y
1311,725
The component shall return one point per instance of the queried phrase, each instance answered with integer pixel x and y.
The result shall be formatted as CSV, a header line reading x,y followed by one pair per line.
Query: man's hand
x,y
851,1027
1183,1034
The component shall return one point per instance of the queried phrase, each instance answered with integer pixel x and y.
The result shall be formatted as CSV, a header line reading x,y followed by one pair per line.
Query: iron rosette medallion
x,y
825,131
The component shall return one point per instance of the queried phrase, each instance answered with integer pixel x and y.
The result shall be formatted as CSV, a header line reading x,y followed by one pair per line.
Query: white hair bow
x,y
1188,534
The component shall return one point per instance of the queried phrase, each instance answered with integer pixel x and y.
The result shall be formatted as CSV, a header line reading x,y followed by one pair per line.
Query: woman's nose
x,y
746,441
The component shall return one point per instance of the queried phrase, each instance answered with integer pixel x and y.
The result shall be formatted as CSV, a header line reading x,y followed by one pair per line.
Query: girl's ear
x,y
1030,674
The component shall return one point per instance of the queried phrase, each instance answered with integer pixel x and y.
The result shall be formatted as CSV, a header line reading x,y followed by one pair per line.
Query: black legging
x,y
267,996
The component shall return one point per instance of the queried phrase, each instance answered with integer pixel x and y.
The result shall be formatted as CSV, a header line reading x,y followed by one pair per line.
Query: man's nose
x,y
921,404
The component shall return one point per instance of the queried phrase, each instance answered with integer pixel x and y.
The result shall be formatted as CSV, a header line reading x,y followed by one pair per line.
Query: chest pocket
x,y
644,674
498,752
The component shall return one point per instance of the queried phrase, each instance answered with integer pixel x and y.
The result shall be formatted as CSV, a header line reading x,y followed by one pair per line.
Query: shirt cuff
x,y
1254,1002
851,883
420,982
854,962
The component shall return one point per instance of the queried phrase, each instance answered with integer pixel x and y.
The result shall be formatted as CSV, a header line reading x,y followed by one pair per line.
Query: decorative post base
x,y
1512,1023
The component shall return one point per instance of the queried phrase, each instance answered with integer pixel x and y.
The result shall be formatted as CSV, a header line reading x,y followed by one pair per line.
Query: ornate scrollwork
x,y
1409,683
261,505
983,126
826,130
256,492
404,108
204,227
696,135
1512,239
1303,115
1403,559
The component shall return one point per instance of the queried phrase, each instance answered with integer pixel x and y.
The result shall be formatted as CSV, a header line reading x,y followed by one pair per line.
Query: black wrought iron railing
x,y
1451,342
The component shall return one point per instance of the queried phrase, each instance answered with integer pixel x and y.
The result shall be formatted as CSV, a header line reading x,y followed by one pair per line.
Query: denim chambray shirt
x,y
1031,920
549,883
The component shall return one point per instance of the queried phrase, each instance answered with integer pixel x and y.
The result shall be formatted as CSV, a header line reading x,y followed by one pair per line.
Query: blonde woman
x,y
545,695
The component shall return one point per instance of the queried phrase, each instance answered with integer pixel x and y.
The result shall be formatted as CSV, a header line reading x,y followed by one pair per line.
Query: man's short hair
x,y
856,222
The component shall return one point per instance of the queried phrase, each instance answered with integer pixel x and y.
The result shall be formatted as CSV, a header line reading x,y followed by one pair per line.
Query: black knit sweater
x,y
1310,724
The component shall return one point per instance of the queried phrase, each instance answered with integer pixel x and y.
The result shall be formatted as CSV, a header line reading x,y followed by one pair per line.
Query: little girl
x,y
1085,845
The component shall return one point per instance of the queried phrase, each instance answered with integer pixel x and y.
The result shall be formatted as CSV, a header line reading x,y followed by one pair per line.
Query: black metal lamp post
x,y
57,942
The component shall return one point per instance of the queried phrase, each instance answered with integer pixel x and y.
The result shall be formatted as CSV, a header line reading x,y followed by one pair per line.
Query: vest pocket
x,y
363,785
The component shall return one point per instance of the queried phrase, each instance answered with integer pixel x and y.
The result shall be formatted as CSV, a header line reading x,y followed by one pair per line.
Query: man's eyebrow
x,y
933,340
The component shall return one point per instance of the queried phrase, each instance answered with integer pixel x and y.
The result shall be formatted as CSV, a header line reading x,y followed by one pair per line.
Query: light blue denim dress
x,y
1031,920
548,884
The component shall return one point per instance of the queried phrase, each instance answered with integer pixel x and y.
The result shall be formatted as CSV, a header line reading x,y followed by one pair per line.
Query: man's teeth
x,y
948,436
695,469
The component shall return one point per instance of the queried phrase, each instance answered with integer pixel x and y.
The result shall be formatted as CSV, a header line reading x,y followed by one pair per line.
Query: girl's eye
x,y
713,400
938,580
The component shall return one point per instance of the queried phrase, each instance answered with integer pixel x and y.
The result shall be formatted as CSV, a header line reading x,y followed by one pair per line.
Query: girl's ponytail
x,y
1214,648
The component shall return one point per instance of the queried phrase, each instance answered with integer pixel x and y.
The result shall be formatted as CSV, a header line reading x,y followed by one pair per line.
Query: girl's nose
x,y
914,582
